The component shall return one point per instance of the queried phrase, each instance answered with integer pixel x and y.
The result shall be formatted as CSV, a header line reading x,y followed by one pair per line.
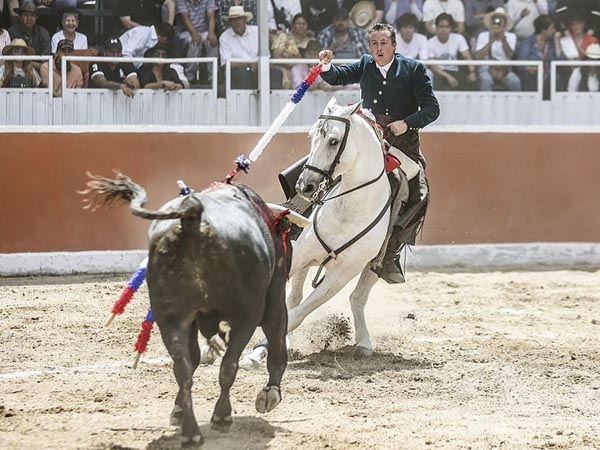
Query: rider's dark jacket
x,y
406,88
406,92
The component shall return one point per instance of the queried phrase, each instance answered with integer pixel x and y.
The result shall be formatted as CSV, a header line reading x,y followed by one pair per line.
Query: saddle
x,y
394,157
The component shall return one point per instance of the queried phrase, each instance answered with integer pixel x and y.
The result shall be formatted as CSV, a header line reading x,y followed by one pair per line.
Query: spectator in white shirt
x,y
524,13
410,43
448,46
433,8
497,44
70,22
240,40
587,78
286,10
137,40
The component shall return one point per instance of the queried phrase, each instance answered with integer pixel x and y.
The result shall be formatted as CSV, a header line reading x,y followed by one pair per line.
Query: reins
x,y
325,186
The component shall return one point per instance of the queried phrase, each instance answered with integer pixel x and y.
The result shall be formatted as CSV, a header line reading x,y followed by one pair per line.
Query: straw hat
x,y
238,11
363,13
17,43
593,51
498,12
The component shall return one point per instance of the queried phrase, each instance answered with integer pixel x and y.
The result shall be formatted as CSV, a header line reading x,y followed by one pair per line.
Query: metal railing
x,y
43,58
554,65
211,61
246,107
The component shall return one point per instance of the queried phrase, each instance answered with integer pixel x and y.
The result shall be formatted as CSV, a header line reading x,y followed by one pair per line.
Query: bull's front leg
x,y
274,325
240,334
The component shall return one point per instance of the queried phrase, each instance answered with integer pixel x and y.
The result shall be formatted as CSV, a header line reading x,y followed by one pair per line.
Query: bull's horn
x,y
294,217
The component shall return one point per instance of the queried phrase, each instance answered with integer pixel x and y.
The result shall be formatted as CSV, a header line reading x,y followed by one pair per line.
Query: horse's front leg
x,y
296,290
358,301
333,282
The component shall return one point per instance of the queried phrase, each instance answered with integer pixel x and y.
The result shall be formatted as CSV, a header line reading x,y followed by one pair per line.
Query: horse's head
x,y
331,153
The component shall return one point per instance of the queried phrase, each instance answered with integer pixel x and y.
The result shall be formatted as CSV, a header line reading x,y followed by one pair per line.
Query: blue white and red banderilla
x,y
144,337
130,289
308,81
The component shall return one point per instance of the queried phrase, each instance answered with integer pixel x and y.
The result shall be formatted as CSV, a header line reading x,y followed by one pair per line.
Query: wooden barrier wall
x,y
486,187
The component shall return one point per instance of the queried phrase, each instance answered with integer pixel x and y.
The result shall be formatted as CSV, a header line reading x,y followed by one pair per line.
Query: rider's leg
x,y
406,227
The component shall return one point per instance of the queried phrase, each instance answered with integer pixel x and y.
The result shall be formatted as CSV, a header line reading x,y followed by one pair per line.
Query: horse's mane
x,y
321,125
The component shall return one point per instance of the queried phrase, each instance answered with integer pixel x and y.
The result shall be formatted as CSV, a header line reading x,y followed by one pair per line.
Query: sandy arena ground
x,y
490,360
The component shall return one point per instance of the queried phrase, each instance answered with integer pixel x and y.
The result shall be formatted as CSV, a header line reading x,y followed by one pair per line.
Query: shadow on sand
x,y
246,432
342,364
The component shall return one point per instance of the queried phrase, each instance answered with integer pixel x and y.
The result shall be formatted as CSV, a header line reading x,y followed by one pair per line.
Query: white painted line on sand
x,y
89,368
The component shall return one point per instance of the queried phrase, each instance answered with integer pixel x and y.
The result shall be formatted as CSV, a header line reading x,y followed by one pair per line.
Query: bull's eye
x,y
333,142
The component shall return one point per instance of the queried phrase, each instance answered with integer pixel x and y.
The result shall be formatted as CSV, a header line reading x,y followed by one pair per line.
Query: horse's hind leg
x,y
241,332
358,301
274,325
176,336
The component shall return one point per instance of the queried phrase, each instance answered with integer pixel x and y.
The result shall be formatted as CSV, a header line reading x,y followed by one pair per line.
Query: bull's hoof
x,y
362,352
192,442
268,398
221,424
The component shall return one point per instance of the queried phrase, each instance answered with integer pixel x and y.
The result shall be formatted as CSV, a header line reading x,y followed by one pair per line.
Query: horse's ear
x,y
331,105
351,109
356,106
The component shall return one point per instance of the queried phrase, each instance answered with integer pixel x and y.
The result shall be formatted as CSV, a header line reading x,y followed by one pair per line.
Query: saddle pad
x,y
407,165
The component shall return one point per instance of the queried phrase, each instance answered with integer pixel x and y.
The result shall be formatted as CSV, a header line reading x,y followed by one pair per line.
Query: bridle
x,y
325,187
327,175
328,181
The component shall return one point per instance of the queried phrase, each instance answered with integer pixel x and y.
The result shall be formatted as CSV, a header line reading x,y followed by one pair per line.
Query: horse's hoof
x,y
192,442
213,350
267,399
249,364
362,352
176,417
221,424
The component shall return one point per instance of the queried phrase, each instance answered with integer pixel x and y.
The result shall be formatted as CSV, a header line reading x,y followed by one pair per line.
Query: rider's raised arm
x,y
349,74
429,108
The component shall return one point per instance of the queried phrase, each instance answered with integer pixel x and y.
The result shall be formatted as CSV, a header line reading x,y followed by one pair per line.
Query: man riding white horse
x,y
400,94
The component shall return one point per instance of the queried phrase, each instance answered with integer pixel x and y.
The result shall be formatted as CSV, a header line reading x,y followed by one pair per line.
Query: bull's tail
x,y
104,191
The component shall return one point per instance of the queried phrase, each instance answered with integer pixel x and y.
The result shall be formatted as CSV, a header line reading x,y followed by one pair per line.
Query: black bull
x,y
215,256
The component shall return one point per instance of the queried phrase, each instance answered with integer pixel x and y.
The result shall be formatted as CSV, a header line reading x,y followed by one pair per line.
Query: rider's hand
x,y
325,56
398,127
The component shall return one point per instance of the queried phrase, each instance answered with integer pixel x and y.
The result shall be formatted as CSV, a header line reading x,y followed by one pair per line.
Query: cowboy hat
x,y
593,51
17,43
27,7
238,11
363,13
488,19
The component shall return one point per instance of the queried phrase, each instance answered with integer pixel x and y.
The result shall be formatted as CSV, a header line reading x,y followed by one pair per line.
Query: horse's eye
x,y
333,142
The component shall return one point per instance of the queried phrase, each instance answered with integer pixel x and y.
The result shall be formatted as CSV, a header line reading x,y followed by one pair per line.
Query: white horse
x,y
349,224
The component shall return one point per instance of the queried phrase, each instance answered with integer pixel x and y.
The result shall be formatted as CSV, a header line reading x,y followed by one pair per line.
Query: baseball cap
x,y
65,44
113,43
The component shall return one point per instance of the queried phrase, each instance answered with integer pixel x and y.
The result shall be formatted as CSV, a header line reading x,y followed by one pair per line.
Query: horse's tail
x,y
104,191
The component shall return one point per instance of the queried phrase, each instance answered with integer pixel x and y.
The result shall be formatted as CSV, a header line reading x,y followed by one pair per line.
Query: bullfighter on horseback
x,y
399,93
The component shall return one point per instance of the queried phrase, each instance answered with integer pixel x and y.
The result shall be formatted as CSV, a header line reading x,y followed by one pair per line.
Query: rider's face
x,y
381,46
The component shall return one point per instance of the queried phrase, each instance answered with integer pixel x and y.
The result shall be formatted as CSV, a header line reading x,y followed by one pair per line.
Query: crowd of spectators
x,y
499,30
